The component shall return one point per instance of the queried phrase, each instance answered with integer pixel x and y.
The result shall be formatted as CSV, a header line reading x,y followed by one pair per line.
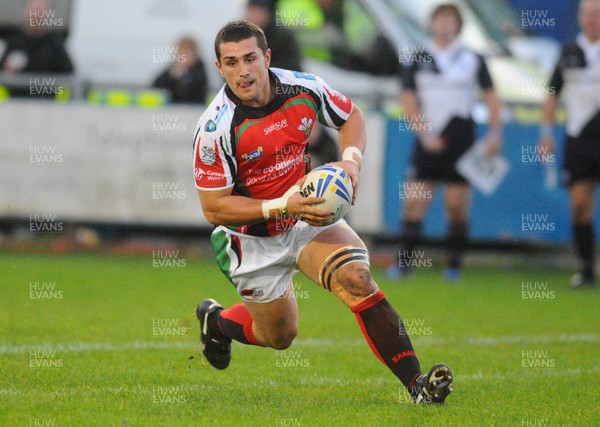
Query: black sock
x,y
583,235
387,337
410,236
457,241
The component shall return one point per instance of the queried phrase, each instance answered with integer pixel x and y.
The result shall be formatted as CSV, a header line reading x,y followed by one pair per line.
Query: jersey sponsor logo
x,y
305,126
306,76
221,112
200,173
208,155
275,171
282,124
210,126
341,101
253,155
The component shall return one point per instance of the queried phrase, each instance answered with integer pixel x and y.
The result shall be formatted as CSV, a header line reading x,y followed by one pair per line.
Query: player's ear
x,y
218,65
268,57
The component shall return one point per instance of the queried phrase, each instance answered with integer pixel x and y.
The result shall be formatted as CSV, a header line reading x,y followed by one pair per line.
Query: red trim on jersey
x,y
340,101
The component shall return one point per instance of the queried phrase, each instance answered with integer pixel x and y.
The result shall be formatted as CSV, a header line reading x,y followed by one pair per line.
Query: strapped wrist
x,y
278,207
353,154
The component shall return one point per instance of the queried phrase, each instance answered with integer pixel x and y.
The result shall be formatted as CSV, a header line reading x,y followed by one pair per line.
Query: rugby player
x,y
250,158
577,76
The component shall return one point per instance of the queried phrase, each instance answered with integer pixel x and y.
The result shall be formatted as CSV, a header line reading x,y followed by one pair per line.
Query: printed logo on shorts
x,y
252,292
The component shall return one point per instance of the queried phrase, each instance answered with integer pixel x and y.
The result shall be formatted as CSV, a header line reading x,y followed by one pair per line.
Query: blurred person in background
x,y
577,75
340,33
37,47
186,78
282,41
320,27
438,94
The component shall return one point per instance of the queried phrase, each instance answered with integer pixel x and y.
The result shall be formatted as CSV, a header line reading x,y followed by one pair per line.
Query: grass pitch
x,y
111,341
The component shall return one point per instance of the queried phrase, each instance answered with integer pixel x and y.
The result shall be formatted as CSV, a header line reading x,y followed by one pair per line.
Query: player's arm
x,y
352,138
546,126
220,207
549,108
494,135
493,139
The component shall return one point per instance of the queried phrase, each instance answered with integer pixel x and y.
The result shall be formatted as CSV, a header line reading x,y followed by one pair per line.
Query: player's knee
x,y
456,213
355,278
283,339
582,212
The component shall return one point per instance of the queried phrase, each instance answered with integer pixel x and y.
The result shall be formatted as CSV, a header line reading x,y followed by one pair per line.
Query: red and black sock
x,y
234,323
387,337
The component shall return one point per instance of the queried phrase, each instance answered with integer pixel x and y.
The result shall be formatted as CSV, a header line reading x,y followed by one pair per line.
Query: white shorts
x,y
262,268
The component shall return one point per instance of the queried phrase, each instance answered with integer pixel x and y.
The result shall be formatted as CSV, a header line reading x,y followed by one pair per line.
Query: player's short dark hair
x,y
236,31
448,8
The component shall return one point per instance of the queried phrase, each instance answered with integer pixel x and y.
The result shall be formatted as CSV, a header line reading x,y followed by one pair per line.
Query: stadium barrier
x,y
93,163
97,164
529,206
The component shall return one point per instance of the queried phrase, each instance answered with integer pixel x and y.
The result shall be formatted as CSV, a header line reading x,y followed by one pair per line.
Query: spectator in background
x,y
186,78
438,95
282,42
578,75
37,48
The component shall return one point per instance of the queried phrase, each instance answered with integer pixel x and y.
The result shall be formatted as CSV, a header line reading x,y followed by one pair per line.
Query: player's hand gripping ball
x,y
333,184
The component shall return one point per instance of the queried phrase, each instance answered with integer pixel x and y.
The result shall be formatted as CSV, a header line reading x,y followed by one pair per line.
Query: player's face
x,y
589,19
445,27
245,69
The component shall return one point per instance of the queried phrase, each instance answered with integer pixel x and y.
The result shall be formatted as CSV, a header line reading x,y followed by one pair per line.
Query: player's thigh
x,y
581,194
276,317
417,196
457,199
343,257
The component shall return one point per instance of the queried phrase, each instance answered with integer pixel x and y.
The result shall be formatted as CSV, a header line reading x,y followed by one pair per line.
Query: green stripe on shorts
x,y
220,241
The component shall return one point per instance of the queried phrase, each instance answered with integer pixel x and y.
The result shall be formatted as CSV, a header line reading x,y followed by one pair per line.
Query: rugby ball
x,y
332,183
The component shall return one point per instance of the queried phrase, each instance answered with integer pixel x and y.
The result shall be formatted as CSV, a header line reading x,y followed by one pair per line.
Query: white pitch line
x,y
314,380
306,342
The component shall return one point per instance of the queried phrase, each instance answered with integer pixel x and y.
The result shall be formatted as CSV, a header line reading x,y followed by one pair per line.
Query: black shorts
x,y
458,136
581,160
